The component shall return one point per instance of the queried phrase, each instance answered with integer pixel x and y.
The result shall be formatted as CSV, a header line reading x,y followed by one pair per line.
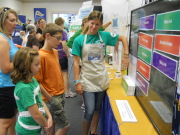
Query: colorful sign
x,y
145,40
144,69
145,54
168,21
167,43
142,83
165,65
147,22
39,13
75,27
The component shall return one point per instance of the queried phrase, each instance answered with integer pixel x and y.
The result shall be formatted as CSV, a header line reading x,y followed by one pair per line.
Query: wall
x,y
28,9
14,4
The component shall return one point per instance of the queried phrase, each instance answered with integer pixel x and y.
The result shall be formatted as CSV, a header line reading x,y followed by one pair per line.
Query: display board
x,y
154,52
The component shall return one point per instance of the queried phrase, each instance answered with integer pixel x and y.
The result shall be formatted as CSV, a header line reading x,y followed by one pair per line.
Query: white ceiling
x,y
57,1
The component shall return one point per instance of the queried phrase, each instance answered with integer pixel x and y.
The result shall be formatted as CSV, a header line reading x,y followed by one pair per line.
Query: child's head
x,y
26,64
60,22
52,34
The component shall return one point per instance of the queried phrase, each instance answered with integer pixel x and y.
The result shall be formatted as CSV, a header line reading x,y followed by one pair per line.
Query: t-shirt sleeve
x,y
26,97
39,31
64,36
71,40
77,47
111,38
39,75
101,28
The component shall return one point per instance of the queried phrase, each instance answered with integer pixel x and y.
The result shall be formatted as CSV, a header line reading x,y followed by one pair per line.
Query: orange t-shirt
x,y
50,74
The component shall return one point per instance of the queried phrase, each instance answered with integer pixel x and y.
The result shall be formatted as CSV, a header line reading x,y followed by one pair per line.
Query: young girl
x,y
33,113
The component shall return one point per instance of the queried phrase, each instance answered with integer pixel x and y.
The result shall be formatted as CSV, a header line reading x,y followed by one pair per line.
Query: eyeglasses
x,y
58,38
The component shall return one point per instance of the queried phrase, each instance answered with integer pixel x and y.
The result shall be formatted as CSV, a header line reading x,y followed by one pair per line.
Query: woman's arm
x,y
78,86
39,37
5,65
106,24
125,60
37,115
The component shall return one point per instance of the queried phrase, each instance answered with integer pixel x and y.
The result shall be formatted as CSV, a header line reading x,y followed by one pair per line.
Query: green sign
x,y
124,85
168,21
75,27
145,54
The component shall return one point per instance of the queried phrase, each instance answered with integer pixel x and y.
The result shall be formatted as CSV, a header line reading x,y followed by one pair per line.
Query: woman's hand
x,y
79,89
125,63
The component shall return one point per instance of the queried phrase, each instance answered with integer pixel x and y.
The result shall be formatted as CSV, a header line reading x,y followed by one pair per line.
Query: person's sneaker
x,y
70,94
83,107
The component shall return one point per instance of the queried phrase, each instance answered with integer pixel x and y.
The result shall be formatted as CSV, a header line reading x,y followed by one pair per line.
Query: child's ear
x,y
47,36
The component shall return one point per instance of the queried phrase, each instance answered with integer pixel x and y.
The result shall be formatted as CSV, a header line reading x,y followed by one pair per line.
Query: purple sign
x,y
147,23
142,83
165,65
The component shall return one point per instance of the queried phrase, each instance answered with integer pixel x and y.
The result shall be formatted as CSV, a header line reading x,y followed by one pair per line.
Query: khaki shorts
x,y
56,107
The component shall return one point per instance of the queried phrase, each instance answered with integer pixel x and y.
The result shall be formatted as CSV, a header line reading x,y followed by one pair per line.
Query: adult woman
x,y
8,19
41,24
93,79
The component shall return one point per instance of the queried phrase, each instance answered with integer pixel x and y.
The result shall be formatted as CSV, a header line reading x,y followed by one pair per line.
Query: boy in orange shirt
x,y
51,79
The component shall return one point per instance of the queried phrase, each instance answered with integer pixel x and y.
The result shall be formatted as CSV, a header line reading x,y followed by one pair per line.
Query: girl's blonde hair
x,y
94,15
4,12
22,64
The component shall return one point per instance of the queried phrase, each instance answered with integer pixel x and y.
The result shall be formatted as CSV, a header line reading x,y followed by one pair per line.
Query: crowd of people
x,y
34,79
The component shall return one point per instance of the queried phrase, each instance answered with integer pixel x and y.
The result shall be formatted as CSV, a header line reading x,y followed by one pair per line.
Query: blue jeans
x,y
92,102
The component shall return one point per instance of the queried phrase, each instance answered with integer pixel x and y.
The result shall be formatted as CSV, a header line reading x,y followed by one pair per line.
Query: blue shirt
x,y
5,79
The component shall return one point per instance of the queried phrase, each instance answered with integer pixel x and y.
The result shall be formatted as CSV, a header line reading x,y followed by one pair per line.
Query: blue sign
x,y
83,12
165,65
21,19
39,13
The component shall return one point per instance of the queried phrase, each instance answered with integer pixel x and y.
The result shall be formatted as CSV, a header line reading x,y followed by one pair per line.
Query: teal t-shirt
x,y
26,95
108,38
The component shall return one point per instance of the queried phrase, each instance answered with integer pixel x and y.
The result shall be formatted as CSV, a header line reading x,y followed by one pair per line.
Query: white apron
x,y
93,76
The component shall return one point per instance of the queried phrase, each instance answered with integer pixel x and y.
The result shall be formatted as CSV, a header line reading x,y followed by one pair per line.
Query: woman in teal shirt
x,y
92,79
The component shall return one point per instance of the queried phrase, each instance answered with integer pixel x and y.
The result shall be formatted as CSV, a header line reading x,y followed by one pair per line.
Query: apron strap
x,y
98,35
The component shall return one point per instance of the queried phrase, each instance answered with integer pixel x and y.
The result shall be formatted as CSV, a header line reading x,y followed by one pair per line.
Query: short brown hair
x,y
59,21
52,29
22,64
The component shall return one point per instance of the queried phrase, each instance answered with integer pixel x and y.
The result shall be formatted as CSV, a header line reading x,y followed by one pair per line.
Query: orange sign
x,y
167,43
144,69
145,40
